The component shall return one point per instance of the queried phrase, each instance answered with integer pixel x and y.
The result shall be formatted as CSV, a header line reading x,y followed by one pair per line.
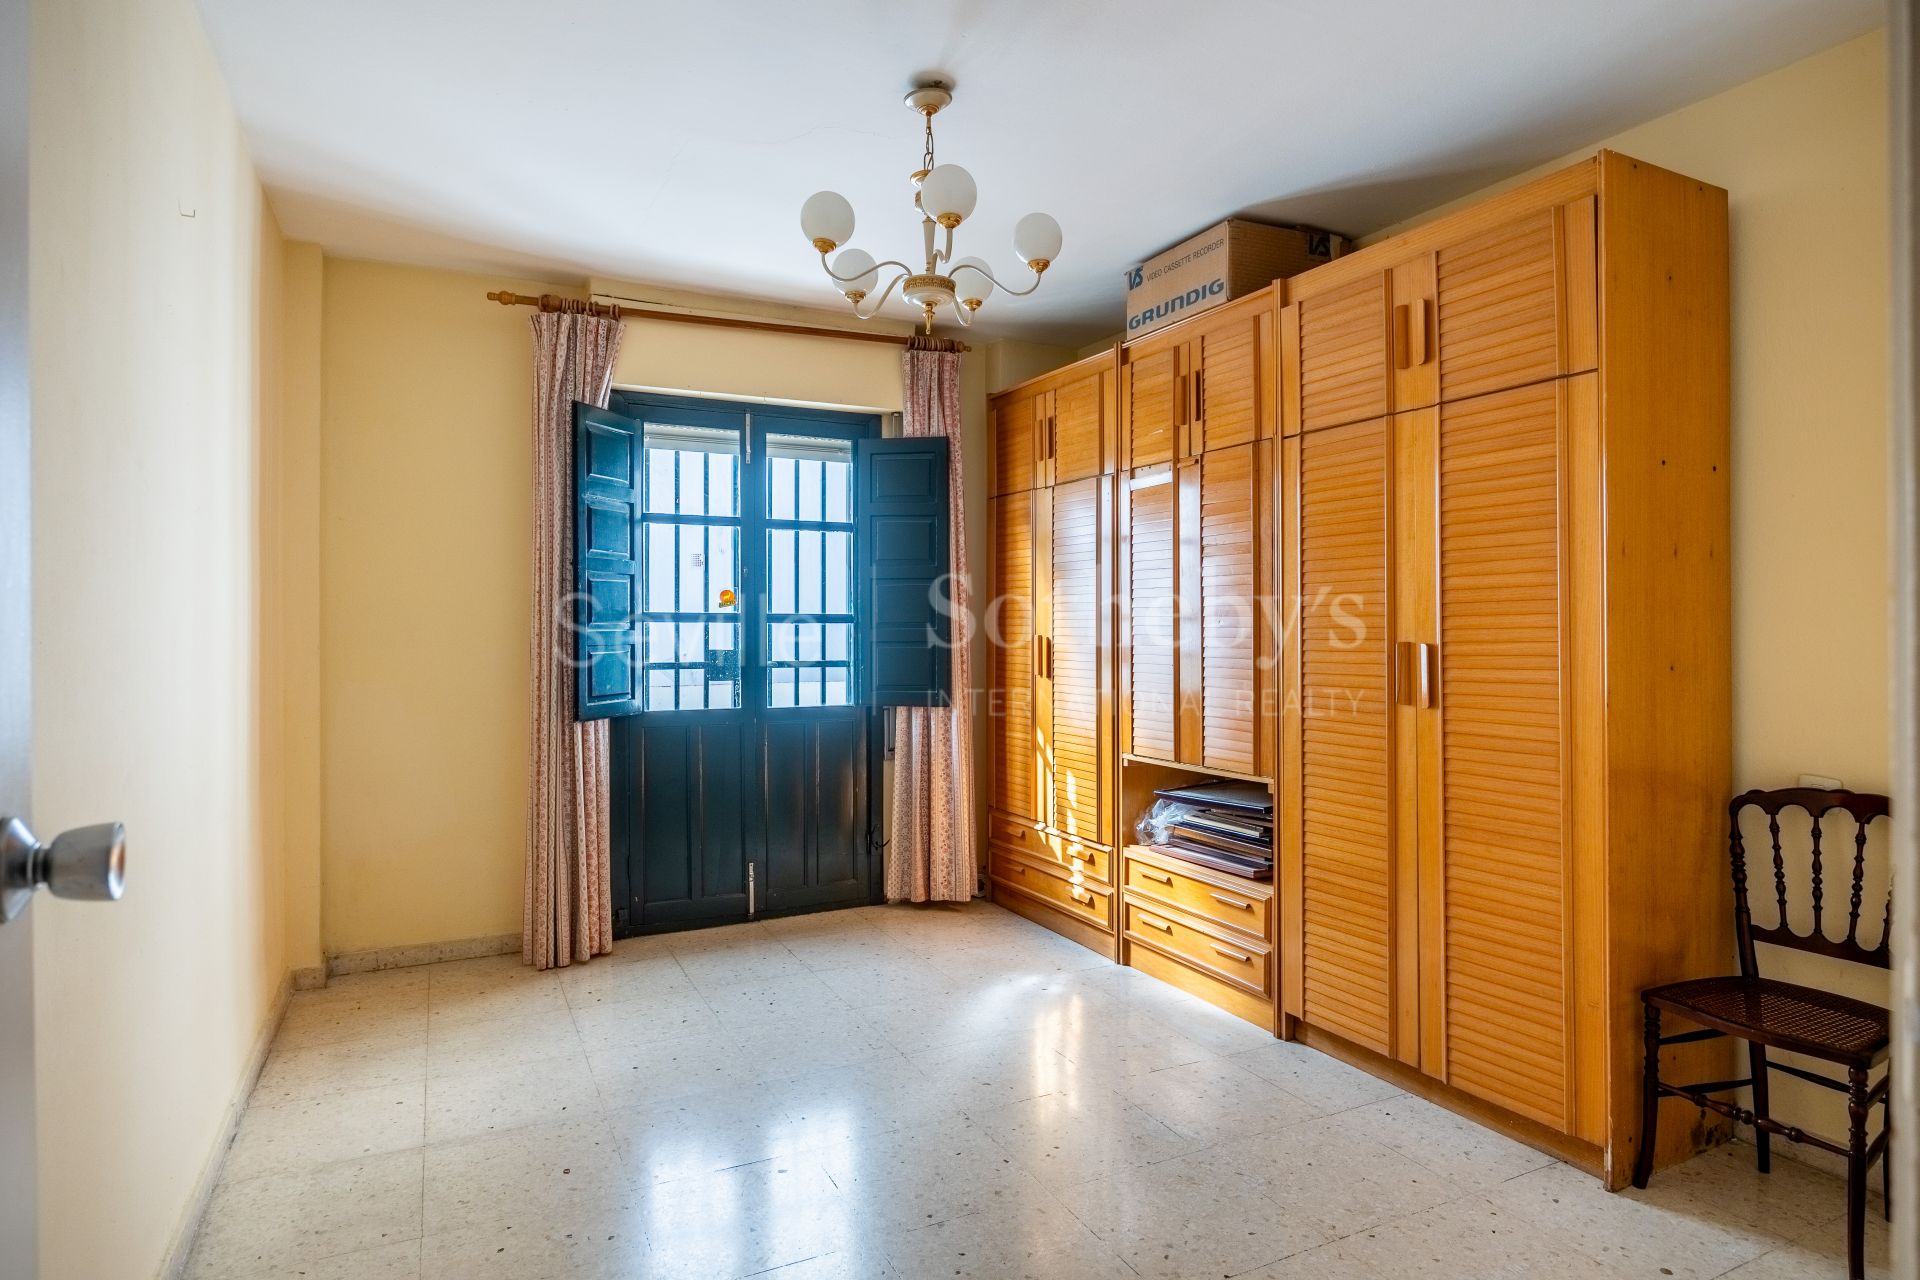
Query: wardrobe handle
x,y
1417,334
1161,925
1157,878
1427,673
1400,336
1200,394
1242,957
1403,690
1042,656
1232,902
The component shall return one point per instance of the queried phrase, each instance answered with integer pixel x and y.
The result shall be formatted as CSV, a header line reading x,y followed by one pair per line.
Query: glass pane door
x,y
809,576
691,574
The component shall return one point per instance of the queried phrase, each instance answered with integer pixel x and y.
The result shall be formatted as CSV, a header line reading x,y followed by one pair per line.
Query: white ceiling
x,y
674,143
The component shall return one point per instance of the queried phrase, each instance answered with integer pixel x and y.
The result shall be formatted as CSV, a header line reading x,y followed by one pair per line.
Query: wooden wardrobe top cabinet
x,y
1502,295
1056,427
1203,384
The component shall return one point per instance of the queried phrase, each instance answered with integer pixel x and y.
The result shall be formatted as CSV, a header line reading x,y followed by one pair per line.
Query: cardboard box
x,y
1226,261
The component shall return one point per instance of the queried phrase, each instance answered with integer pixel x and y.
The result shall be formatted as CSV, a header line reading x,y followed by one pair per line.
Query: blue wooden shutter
x,y
606,526
903,524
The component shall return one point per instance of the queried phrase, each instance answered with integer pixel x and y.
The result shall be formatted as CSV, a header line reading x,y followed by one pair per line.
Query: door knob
x,y
89,863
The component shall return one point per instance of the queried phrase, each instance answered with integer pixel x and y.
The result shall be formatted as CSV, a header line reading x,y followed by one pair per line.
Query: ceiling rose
x,y
945,195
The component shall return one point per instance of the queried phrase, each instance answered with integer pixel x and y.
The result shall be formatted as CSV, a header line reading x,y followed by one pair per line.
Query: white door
x,y
16,940
84,863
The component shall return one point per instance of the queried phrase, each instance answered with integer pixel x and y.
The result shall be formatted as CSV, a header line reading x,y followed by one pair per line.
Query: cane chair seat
x,y
1781,1015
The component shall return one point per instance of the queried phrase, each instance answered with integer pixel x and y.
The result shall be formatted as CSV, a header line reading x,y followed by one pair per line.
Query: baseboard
x,y
421,953
180,1252
310,978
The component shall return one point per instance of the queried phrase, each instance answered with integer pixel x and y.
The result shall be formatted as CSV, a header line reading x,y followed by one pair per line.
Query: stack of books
x,y
1231,828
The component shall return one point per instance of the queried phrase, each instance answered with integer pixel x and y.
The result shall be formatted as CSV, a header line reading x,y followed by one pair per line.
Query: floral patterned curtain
x,y
568,913
930,849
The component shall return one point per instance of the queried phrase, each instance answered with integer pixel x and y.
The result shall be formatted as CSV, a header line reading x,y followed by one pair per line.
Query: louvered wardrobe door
x,y
1153,406
1516,303
1234,562
1081,419
1341,368
1340,887
1151,587
1500,905
1010,700
1076,656
1231,398
1013,443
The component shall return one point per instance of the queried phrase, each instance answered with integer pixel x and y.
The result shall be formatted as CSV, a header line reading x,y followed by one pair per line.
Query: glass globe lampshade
x,y
1036,238
948,194
855,271
827,217
970,280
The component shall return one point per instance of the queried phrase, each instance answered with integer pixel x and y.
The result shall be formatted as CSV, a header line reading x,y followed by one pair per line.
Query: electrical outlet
x,y
1818,783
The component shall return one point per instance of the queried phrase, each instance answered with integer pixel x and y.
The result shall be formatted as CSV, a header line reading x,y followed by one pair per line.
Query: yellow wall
x,y
156,271
744,364
294,541
1802,154
425,509
425,475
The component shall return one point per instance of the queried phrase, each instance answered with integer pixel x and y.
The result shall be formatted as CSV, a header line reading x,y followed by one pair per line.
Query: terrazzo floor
x,y
907,1092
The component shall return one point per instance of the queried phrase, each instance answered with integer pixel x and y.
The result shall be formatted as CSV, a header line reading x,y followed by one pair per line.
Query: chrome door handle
x,y
88,863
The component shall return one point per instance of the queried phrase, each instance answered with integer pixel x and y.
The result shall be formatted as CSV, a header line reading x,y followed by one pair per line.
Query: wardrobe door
x,y
1337,847
1075,656
1082,425
1235,552
1335,354
1150,592
1516,303
1011,643
1494,892
1233,389
1015,445
1155,405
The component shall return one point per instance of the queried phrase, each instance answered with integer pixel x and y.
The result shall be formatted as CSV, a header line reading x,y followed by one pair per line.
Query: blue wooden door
x,y
745,767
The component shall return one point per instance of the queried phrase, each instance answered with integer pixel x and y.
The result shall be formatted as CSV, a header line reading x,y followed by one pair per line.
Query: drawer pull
x,y
1156,877
1233,955
1232,902
1080,895
1016,868
1157,924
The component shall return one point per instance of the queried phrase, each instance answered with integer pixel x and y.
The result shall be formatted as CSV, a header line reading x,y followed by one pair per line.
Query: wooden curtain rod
x,y
554,302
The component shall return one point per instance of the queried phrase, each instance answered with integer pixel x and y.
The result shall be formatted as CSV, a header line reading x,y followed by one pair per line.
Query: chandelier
x,y
944,194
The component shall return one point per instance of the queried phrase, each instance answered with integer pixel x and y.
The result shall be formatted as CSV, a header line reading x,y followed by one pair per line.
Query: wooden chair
x,y
1780,1015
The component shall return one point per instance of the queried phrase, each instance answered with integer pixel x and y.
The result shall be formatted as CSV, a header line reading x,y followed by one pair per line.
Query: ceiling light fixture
x,y
945,195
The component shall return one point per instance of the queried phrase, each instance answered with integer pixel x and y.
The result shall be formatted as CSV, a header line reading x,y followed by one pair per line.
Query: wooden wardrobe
x,y
1431,539
1050,698
1505,529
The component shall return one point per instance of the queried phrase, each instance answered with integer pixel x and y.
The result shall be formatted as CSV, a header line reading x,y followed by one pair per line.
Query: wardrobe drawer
x,y
1234,960
1088,902
1070,853
1238,909
1017,832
